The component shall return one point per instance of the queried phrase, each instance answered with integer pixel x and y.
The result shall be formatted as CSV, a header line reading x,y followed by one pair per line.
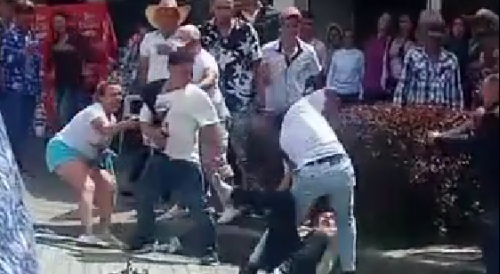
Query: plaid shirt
x,y
426,82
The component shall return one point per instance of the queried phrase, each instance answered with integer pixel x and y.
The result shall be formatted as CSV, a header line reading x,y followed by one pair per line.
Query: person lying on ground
x,y
287,251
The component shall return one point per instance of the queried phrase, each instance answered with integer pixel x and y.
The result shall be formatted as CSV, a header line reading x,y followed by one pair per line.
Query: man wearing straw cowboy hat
x,y
165,17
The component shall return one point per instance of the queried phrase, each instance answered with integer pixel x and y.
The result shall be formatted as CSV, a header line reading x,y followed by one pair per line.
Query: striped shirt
x,y
427,82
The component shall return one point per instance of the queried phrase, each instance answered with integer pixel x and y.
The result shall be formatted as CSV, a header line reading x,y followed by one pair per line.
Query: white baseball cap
x,y
185,35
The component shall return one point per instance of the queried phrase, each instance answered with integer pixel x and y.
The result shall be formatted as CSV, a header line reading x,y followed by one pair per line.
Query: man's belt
x,y
332,160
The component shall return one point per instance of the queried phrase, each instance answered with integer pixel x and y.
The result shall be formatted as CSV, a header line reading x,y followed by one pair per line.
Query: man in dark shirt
x,y
484,148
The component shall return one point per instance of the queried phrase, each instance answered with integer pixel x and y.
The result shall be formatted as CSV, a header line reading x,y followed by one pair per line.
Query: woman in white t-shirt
x,y
74,154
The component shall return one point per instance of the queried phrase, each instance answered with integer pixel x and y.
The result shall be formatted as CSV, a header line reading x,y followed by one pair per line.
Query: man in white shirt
x,y
206,77
319,166
187,118
287,65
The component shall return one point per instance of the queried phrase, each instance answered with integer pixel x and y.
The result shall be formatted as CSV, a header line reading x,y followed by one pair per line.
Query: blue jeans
x,y
18,111
184,177
335,179
69,101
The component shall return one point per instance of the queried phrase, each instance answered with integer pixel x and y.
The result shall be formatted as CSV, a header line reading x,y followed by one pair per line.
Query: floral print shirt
x,y
17,243
236,55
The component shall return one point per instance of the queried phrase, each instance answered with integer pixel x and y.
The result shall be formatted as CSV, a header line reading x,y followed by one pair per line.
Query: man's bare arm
x,y
154,133
209,80
142,74
211,140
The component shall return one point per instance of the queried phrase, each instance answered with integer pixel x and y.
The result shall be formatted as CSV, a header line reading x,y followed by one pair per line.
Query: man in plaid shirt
x,y
431,75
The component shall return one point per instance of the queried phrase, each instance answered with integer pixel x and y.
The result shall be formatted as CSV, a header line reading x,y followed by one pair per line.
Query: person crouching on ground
x,y
74,154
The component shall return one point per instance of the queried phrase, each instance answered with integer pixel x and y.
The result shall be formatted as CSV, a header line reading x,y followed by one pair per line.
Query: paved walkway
x,y
66,260
52,204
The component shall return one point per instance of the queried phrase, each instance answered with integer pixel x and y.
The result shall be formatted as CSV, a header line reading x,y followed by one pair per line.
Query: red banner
x,y
92,24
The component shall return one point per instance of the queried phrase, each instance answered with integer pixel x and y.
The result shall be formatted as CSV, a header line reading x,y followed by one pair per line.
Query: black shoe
x,y
210,259
247,269
140,245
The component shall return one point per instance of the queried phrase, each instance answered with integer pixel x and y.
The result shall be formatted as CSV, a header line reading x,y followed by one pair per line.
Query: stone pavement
x,y
71,260
53,206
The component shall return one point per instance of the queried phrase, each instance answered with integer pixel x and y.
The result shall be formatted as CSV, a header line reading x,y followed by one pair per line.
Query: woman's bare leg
x,y
105,196
77,174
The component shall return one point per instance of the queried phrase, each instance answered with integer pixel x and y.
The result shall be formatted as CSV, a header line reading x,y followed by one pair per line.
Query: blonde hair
x,y
113,80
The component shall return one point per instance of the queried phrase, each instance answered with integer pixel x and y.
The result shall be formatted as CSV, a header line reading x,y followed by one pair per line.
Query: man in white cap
x,y
206,76
182,117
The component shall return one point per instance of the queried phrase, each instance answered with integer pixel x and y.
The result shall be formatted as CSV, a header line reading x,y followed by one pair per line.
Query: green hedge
x,y
408,189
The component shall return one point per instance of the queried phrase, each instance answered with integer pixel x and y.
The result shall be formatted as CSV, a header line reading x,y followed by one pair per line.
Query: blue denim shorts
x,y
58,153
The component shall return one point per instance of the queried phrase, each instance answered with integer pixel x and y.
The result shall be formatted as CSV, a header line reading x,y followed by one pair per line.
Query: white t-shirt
x,y
158,61
205,61
187,110
80,135
306,136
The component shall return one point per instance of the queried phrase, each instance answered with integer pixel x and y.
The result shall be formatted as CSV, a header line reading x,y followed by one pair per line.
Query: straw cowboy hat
x,y
182,11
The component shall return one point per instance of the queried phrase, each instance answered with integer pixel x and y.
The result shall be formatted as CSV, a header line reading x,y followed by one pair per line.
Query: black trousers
x,y
284,243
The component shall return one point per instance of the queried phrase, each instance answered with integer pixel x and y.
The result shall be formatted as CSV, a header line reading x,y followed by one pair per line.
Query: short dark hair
x,y
307,14
179,57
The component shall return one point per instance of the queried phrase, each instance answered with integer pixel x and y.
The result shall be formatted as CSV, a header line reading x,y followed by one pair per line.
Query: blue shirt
x,y
17,243
20,70
346,72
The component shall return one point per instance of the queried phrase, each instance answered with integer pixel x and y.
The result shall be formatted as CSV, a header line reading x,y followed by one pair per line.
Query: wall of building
x,y
331,11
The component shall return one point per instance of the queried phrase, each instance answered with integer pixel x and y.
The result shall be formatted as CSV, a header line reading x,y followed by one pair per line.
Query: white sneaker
x,y
177,212
91,240
111,240
172,246
229,214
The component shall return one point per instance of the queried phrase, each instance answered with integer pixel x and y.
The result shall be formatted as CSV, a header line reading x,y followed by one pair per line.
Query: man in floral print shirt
x,y
17,243
14,77
235,45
